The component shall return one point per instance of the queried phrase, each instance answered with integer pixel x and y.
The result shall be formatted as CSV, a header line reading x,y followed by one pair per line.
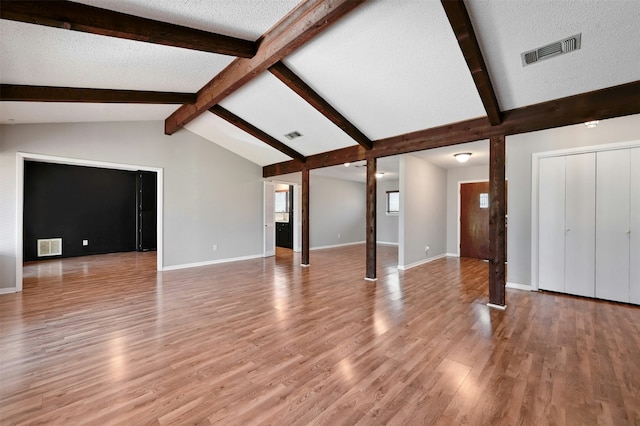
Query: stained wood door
x,y
474,220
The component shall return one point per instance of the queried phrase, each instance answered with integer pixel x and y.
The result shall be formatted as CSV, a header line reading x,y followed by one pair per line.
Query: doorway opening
x,y
142,239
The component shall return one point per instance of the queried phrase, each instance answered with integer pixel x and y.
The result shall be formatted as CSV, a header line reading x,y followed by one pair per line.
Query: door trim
x,y
535,162
21,157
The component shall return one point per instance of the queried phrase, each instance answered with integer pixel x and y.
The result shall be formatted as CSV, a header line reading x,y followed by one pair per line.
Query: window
x,y
282,206
393,202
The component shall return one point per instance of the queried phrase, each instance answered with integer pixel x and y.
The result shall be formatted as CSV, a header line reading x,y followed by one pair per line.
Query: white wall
x,y
336,206
423,211
519,151
454,176
211,196
387,224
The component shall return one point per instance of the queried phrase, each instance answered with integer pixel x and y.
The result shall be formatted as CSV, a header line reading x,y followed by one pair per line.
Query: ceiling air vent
x,y
550,50
291,136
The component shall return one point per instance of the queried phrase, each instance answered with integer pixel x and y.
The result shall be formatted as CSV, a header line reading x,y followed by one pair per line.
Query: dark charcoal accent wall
x,y
78,203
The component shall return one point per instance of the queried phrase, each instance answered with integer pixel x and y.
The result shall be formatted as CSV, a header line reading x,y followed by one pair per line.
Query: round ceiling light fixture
x,y
379,174
462,157
592,124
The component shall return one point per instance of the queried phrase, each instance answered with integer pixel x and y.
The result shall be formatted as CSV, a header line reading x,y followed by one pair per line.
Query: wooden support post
x,y
497,222
371,219
305,217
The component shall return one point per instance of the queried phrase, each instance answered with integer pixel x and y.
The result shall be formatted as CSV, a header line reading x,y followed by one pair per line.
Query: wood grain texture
x,y
255,132
24,93
611,102
303,23
109,340
371,225
497,220
90,19
295,83
466,36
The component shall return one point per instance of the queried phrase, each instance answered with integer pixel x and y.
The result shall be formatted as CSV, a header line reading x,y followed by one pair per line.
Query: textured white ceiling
x,y
610,53
247,19
45,56
228,136
62,112
391,68
275,109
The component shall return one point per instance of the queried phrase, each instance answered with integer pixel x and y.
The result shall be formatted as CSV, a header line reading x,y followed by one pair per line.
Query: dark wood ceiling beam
x,y
461,24
257,133
303,23
95,20
296,84
601,104
22,93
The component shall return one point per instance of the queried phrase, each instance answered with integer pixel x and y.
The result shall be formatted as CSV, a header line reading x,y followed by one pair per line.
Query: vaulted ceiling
x,y
347,75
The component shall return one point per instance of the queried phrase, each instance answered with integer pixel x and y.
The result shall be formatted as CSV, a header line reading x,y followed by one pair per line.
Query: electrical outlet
x,y
85,242
338,235
215,247
426,248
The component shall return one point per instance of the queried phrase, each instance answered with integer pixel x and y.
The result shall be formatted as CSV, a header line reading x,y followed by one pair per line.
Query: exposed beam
x,y
296,84
304,22
89,19
497,221
461,24
601,104
20,93
259,134
371,219
305,217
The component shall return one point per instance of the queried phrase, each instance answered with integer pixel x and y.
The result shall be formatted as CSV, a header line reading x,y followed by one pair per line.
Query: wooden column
x,y
371,219
305,217
497,222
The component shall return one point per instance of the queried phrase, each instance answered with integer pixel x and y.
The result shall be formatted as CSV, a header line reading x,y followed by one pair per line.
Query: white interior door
x,y
634,255
297,218
612,225
580,223
269,219
551,230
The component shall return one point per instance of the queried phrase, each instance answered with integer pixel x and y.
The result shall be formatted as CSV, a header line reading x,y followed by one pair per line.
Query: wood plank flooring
x,y
107,340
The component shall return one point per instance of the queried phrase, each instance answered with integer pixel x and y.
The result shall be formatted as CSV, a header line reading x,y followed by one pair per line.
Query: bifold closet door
x,y
613,225
634,255
580,223
551,230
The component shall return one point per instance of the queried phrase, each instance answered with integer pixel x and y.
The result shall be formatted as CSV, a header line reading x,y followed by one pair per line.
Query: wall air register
x,y
50,247
551,50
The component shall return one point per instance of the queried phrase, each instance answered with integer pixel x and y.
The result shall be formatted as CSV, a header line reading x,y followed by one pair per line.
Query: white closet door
x,y
580,222
612,225
551,230
634,254
269,219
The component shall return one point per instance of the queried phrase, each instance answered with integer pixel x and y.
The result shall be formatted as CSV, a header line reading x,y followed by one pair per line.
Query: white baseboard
x,y
210,262
420,262
499,307
337,245
386,243
517,286
452,255
8,290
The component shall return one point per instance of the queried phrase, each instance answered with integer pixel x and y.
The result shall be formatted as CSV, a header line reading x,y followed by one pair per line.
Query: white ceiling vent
x,y
550,50
293,135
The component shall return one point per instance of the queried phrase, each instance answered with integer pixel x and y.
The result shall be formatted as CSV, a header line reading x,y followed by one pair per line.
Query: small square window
x,y
484,200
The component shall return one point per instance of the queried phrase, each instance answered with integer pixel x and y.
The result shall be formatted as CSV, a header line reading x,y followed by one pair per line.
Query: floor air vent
x,y
551,50
50,247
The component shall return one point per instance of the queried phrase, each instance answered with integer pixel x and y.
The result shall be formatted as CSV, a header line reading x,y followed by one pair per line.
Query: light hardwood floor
x,y
108,340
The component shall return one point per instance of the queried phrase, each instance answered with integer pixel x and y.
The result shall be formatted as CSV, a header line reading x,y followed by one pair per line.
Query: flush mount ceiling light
x,y
347,164
462,157
592,124
379,174
293,135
